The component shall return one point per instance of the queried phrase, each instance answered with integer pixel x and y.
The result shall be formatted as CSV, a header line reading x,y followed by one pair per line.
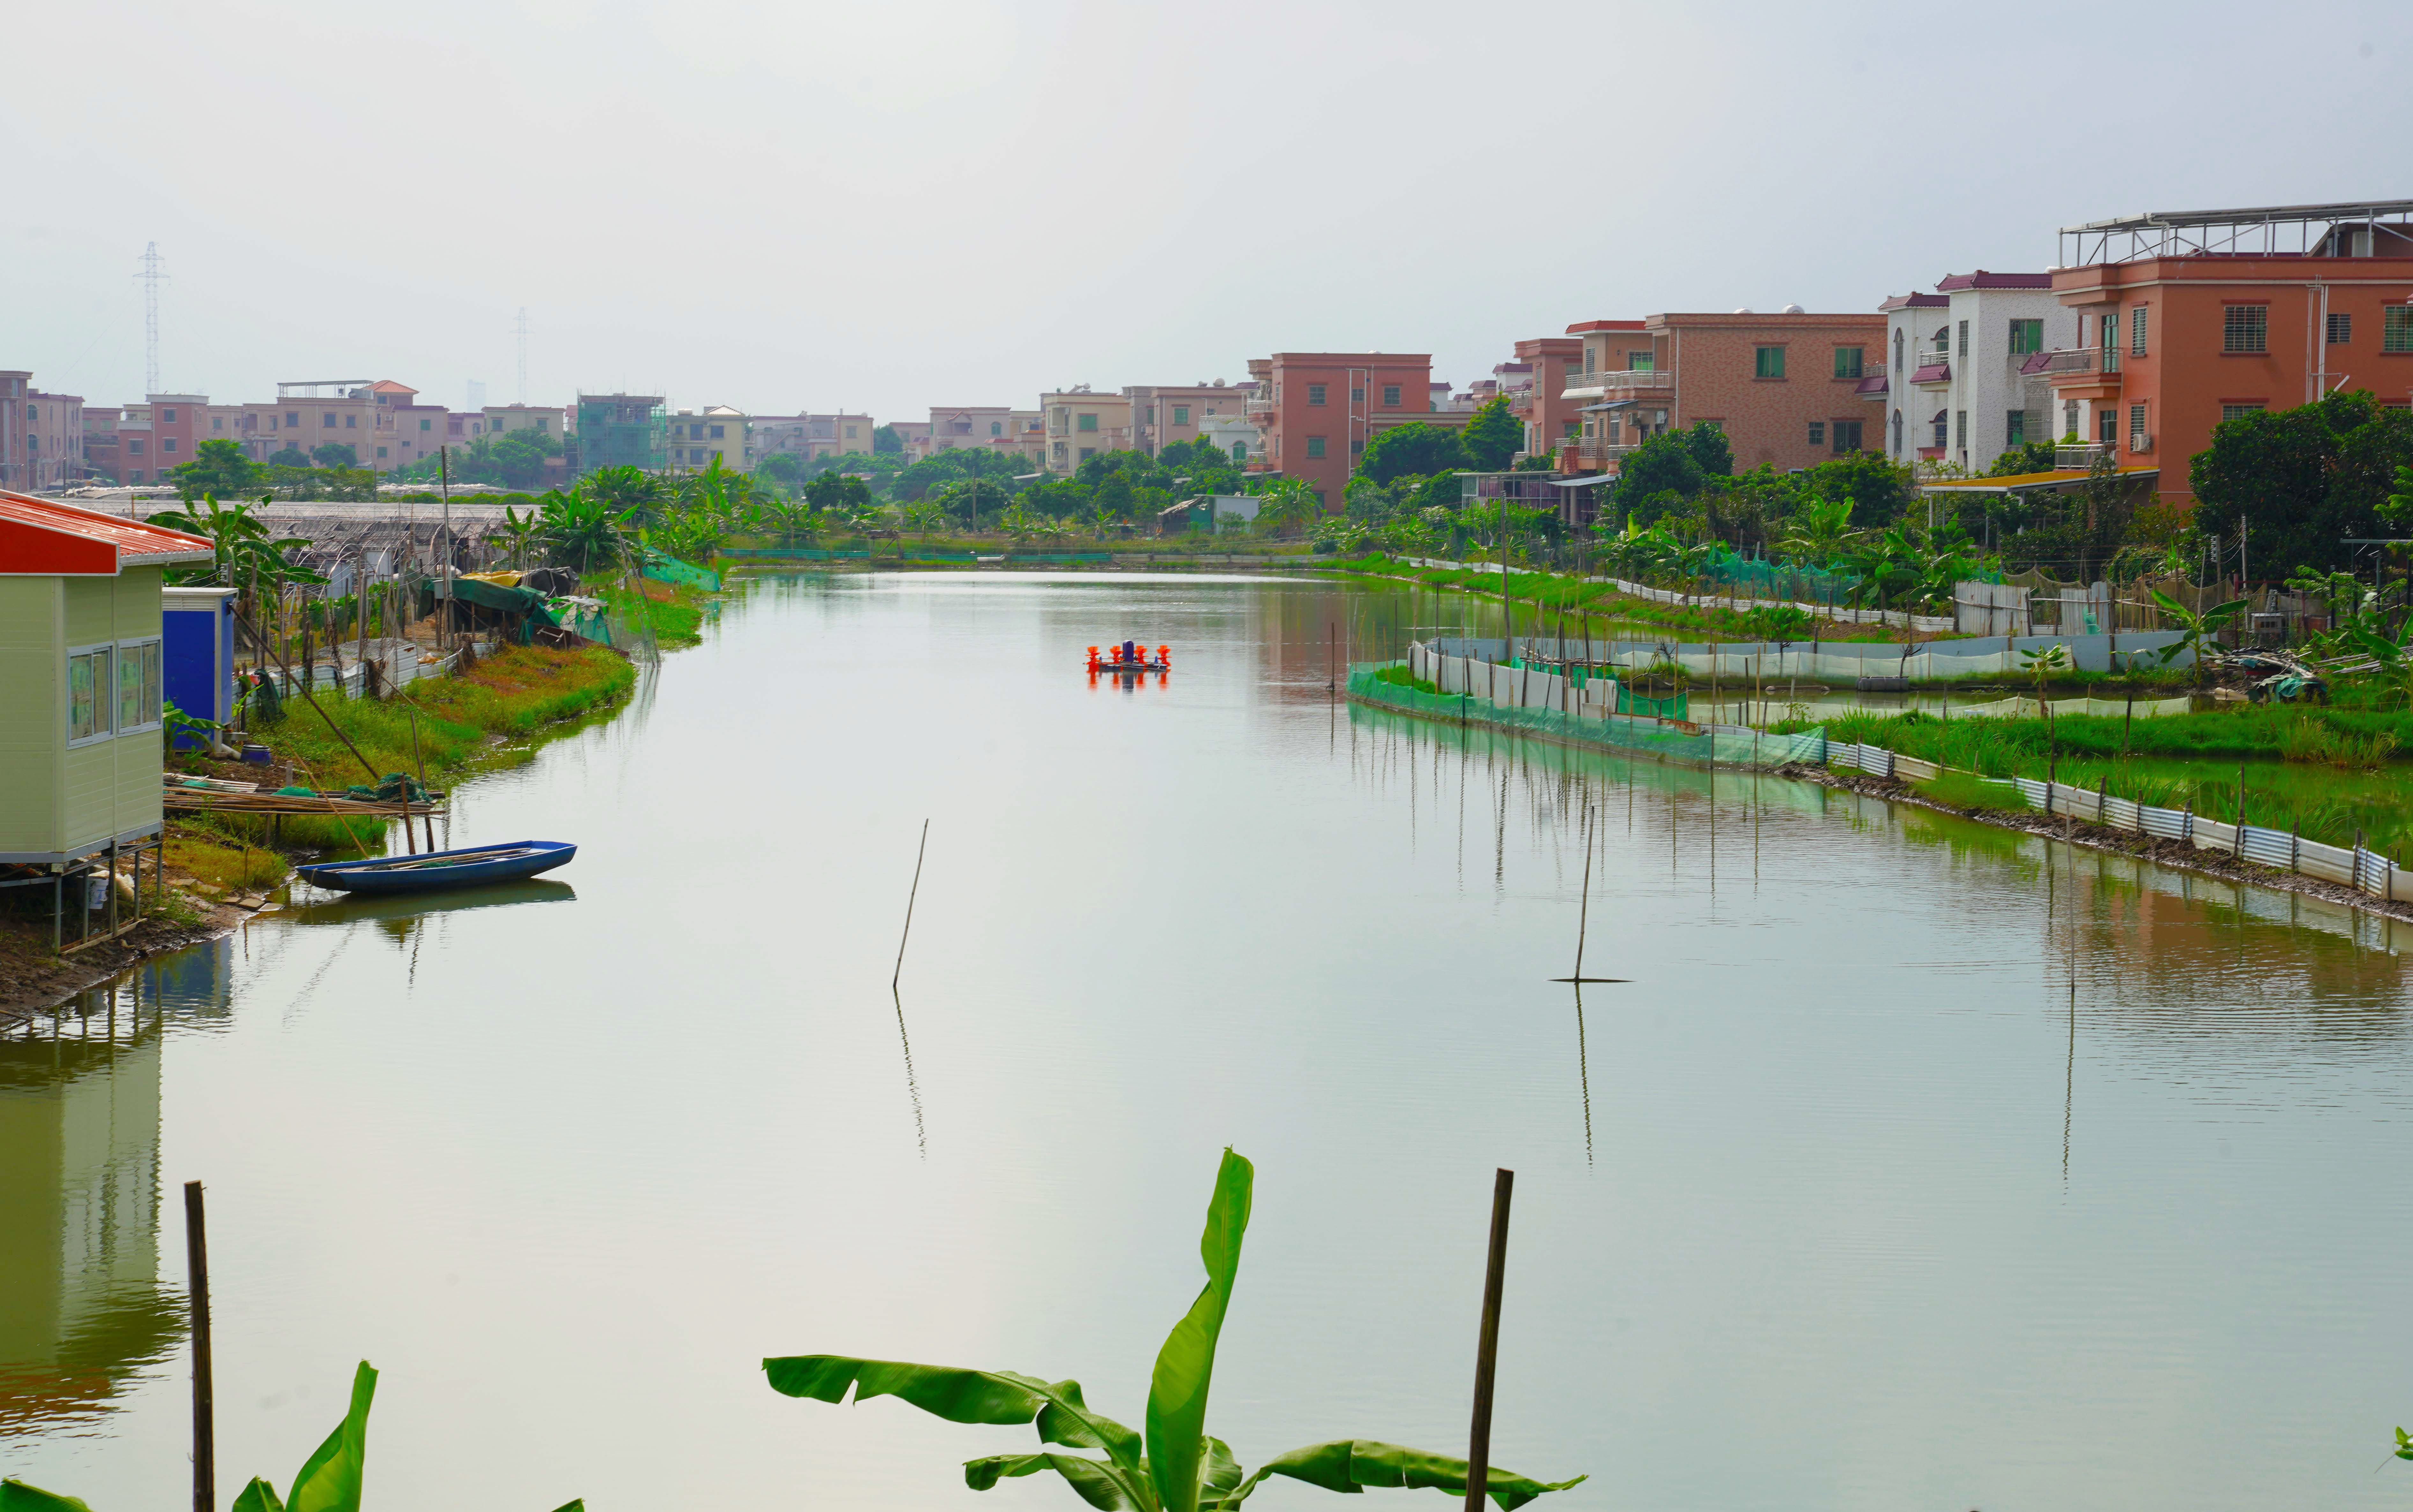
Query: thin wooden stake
x,y
1487,1348
1583,910
197,1264
909,906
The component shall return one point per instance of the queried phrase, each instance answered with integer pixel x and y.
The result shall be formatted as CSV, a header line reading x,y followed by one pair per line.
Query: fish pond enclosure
x,y
1958,1166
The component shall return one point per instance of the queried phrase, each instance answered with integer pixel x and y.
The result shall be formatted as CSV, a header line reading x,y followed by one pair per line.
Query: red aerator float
x,y
1130,659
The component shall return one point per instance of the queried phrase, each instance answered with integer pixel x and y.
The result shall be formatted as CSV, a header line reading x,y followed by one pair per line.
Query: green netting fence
x,y
1721,747
670,569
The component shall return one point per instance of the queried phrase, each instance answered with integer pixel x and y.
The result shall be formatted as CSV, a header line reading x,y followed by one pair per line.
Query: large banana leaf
x,y
16,1496
1096,1483
329,1479
1353,1464
960,1395
1184,1368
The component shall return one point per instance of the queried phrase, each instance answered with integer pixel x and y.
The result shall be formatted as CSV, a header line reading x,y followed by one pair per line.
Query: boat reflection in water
x,y
82,1308
386,908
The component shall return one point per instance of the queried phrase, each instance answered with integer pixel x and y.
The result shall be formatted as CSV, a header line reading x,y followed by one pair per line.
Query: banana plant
x,y
328,1481
1174,1466
2196,630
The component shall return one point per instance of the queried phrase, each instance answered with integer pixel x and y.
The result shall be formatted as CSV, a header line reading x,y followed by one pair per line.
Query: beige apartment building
x,y
379,420
973,425
1163,414
812,435
697,438
1081,424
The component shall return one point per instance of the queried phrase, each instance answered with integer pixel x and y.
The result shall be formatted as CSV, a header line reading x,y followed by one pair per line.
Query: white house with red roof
x,y
80,667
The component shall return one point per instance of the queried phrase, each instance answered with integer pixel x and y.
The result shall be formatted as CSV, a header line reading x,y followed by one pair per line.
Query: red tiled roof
x,y
1982,279
49,538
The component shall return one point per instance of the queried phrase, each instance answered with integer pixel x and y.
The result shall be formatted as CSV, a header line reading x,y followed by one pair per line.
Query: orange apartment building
x,y
1317,409
2180,321
1785,387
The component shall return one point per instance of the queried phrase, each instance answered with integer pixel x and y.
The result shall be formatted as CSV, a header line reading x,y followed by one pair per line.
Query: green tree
x,y
1879,491
2027,457
2196,630
1709,448
290,456
519,456
1414,450
335,454
884,438
1662,464
1170,1464
218,467
2303,479
1493,437
784,468
837,493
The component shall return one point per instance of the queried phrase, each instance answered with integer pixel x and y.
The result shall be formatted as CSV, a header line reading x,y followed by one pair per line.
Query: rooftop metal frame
x,y
2184,233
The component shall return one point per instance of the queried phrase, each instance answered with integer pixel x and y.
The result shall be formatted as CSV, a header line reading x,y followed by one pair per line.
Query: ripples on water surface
x,y
1918,1166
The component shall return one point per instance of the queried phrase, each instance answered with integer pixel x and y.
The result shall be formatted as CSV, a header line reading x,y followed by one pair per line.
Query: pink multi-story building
x,y
1540,402
1318,408
1785,387
41,436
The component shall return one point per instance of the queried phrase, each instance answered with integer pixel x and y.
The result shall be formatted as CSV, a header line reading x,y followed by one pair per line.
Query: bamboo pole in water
x,y
1487,1348
197,1285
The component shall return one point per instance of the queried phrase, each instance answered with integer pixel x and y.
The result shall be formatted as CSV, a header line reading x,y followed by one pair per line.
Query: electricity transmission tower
x,y
521,330
154,274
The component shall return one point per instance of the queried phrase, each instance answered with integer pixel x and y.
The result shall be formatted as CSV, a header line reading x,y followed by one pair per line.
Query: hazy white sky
x,y
890,206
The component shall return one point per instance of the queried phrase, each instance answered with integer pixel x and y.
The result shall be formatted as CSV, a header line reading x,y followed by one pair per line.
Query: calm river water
x,y
1915,1167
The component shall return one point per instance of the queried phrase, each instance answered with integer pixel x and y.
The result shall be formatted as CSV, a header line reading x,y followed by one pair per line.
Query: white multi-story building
x,y
1954,392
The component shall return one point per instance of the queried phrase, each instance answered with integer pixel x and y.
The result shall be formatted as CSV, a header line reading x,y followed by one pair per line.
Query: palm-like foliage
x,y
520,533
2042,661
1175,1466
1286,503
329,1481
244,549
2196,630
629,492
1819,530
581,529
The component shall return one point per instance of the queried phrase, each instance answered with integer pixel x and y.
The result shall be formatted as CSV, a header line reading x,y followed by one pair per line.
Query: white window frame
x,y
159,689
104,694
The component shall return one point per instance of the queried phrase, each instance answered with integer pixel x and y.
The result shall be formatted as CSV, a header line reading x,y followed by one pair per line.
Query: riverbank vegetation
x,y
2329,774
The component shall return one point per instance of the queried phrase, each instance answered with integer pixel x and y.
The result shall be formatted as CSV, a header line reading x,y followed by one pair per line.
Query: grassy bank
x,y
472,721
1545,595
2329,772
509,693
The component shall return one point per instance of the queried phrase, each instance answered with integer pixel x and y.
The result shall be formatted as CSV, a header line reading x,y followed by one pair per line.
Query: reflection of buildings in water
x,y
81,1305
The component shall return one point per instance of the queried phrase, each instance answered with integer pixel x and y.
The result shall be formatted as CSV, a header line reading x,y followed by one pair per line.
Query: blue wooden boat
x,y
507,863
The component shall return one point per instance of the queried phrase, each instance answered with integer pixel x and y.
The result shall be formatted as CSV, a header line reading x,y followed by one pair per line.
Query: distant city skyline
x,y
849,213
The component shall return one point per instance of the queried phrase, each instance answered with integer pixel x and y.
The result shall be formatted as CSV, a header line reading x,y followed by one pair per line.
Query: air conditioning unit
x,y
2140,443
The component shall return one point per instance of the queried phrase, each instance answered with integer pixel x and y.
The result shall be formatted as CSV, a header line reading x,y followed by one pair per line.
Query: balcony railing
x,y
2080,457
1620,382
1597,455
2074,362
1257,408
